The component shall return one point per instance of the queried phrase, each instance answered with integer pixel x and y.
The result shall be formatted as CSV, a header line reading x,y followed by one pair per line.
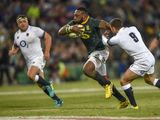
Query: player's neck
x,y
24,30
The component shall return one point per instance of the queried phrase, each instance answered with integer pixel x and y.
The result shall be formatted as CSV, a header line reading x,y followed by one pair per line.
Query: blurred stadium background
x,y
68,56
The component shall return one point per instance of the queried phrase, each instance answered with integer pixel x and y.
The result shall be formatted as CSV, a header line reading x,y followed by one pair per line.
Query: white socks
x,y
36,78
155,81
125,87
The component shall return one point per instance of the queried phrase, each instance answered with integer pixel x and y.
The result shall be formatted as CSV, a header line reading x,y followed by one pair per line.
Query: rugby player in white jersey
x,y
27,39
130,40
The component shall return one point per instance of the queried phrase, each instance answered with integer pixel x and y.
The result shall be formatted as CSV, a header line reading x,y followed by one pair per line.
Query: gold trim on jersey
x,y
84,22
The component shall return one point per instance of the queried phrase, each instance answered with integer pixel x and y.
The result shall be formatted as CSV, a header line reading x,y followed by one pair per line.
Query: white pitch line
x,y
77,118
70,91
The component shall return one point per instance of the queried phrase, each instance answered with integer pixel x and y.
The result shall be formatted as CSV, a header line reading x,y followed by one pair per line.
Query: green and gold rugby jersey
x,y
91,36
158,35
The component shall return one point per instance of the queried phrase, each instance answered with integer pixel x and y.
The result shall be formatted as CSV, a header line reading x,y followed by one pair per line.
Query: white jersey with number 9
x,y
130,40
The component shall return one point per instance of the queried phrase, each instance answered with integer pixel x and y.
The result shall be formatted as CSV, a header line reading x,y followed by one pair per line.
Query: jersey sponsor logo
x,y
142,72
85,34
23,44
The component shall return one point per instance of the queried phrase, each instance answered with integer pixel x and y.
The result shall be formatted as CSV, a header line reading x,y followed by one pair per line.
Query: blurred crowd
x,y
50,15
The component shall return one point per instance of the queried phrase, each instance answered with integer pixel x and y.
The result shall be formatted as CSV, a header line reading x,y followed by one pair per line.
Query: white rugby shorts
x,y
99,59
143,66
38,62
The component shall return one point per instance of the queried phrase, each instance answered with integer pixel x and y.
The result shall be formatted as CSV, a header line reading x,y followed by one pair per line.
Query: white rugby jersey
x,y
130,39
29,42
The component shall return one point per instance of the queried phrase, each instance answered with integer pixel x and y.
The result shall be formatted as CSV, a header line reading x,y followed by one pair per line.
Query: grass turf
x,y
77,102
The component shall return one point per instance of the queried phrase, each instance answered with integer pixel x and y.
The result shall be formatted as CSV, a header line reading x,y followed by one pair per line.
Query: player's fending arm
x,y
48,42
13,50
104,25
154,44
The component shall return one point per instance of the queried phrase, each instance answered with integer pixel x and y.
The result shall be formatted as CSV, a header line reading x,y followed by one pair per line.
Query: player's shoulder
x,y
133,27
91,19
34,28
128,29
17,32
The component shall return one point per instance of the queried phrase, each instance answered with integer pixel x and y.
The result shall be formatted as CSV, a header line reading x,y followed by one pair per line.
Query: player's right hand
x,y
77,28
107,34
46,56
10,53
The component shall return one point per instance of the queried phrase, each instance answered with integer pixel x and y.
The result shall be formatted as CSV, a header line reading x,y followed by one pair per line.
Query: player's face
x,y
78,16
22,24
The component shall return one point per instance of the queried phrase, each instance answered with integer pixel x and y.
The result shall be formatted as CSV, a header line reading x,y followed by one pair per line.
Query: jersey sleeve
x,y
95,22
39,32
158,36
113,40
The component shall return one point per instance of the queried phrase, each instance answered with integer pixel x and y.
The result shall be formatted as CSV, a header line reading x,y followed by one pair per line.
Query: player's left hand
x,y
46,56
106,33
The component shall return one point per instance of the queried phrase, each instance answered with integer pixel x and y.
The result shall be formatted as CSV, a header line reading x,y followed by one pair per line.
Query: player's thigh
x,y
89,66
32,71
36,65
128,77
98,60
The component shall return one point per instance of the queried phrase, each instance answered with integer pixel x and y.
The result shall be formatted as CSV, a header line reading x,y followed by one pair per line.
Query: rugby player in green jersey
x,y
88,29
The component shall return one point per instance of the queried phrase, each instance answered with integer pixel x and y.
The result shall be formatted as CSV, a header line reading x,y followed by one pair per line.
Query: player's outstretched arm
x,y
104,25
13,50
48,43
154,44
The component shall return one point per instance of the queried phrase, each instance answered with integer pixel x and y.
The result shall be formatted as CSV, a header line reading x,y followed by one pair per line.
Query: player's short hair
x,y
21,17
83,9
116,22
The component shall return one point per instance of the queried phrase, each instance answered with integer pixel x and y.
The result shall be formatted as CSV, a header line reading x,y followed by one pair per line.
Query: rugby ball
x,y
73,35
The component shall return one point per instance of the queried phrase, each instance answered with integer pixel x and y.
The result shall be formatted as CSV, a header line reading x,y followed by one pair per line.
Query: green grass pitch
x,y
83,98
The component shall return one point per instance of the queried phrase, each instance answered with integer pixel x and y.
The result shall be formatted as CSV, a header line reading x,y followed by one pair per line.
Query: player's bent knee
x,y
31,76
88,70
148,81
124,81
